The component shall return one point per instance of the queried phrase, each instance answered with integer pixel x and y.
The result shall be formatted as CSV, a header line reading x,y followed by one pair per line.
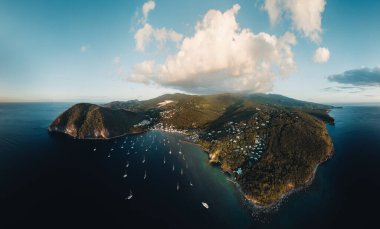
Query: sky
x,y
323,51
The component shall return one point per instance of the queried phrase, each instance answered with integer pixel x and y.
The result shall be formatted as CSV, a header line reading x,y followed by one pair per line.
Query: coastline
x,y
249,200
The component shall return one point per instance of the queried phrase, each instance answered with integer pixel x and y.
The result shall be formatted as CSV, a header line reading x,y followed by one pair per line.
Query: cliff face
x,y
92,121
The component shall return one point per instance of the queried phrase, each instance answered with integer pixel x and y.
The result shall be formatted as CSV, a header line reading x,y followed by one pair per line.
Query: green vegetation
x,y
270,144
92,121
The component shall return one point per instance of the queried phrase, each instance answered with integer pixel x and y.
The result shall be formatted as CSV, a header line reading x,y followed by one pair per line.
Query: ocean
x,y
50,180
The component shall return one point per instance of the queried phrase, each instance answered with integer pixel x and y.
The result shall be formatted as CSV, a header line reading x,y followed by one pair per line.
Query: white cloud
x,y
321,55
221,57
147,33
147,7
83,48
142,72
306,15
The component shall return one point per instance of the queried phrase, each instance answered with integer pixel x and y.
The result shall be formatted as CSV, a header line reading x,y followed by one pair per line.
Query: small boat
x,y
127,165
173,167
109,155
180,152
170,151
94,149
164,160
191,184
122,147
177,186
143,161
145,175
205,205
125,175
111,149
130,195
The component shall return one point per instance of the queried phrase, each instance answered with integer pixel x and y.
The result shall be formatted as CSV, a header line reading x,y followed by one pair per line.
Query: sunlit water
x,y
56,181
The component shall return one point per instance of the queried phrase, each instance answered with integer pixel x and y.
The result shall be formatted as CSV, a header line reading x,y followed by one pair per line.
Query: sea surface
x,y
53,181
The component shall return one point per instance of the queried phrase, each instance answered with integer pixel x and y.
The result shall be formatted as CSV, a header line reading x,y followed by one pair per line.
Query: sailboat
x,y
130,195
205,205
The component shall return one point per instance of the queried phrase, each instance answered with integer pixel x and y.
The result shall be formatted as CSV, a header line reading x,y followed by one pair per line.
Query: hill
x,y
92,121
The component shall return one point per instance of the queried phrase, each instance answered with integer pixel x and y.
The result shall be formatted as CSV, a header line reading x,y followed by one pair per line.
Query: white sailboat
x,y
130,195
205,205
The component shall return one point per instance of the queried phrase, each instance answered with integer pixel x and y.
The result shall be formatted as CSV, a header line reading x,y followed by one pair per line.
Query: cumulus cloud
x,y
306,15
142,72
358,77
321,55
221,57
147,7
148,33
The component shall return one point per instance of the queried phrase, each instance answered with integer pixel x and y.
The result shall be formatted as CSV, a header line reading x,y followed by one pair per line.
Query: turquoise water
x,y
55,181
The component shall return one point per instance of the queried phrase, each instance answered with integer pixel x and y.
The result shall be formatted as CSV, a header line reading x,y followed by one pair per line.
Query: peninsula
x,y
270,144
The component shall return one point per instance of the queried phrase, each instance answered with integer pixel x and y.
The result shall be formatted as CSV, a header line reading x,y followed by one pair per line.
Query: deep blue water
x,y
55,181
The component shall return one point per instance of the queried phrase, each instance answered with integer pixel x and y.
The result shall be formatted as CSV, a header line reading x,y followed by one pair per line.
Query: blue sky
x,y
87,50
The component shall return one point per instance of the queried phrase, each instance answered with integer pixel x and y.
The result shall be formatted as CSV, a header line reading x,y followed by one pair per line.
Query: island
x,y
270,144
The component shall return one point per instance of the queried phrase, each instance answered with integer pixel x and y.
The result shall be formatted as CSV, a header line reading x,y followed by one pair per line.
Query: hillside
x,y
92,121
